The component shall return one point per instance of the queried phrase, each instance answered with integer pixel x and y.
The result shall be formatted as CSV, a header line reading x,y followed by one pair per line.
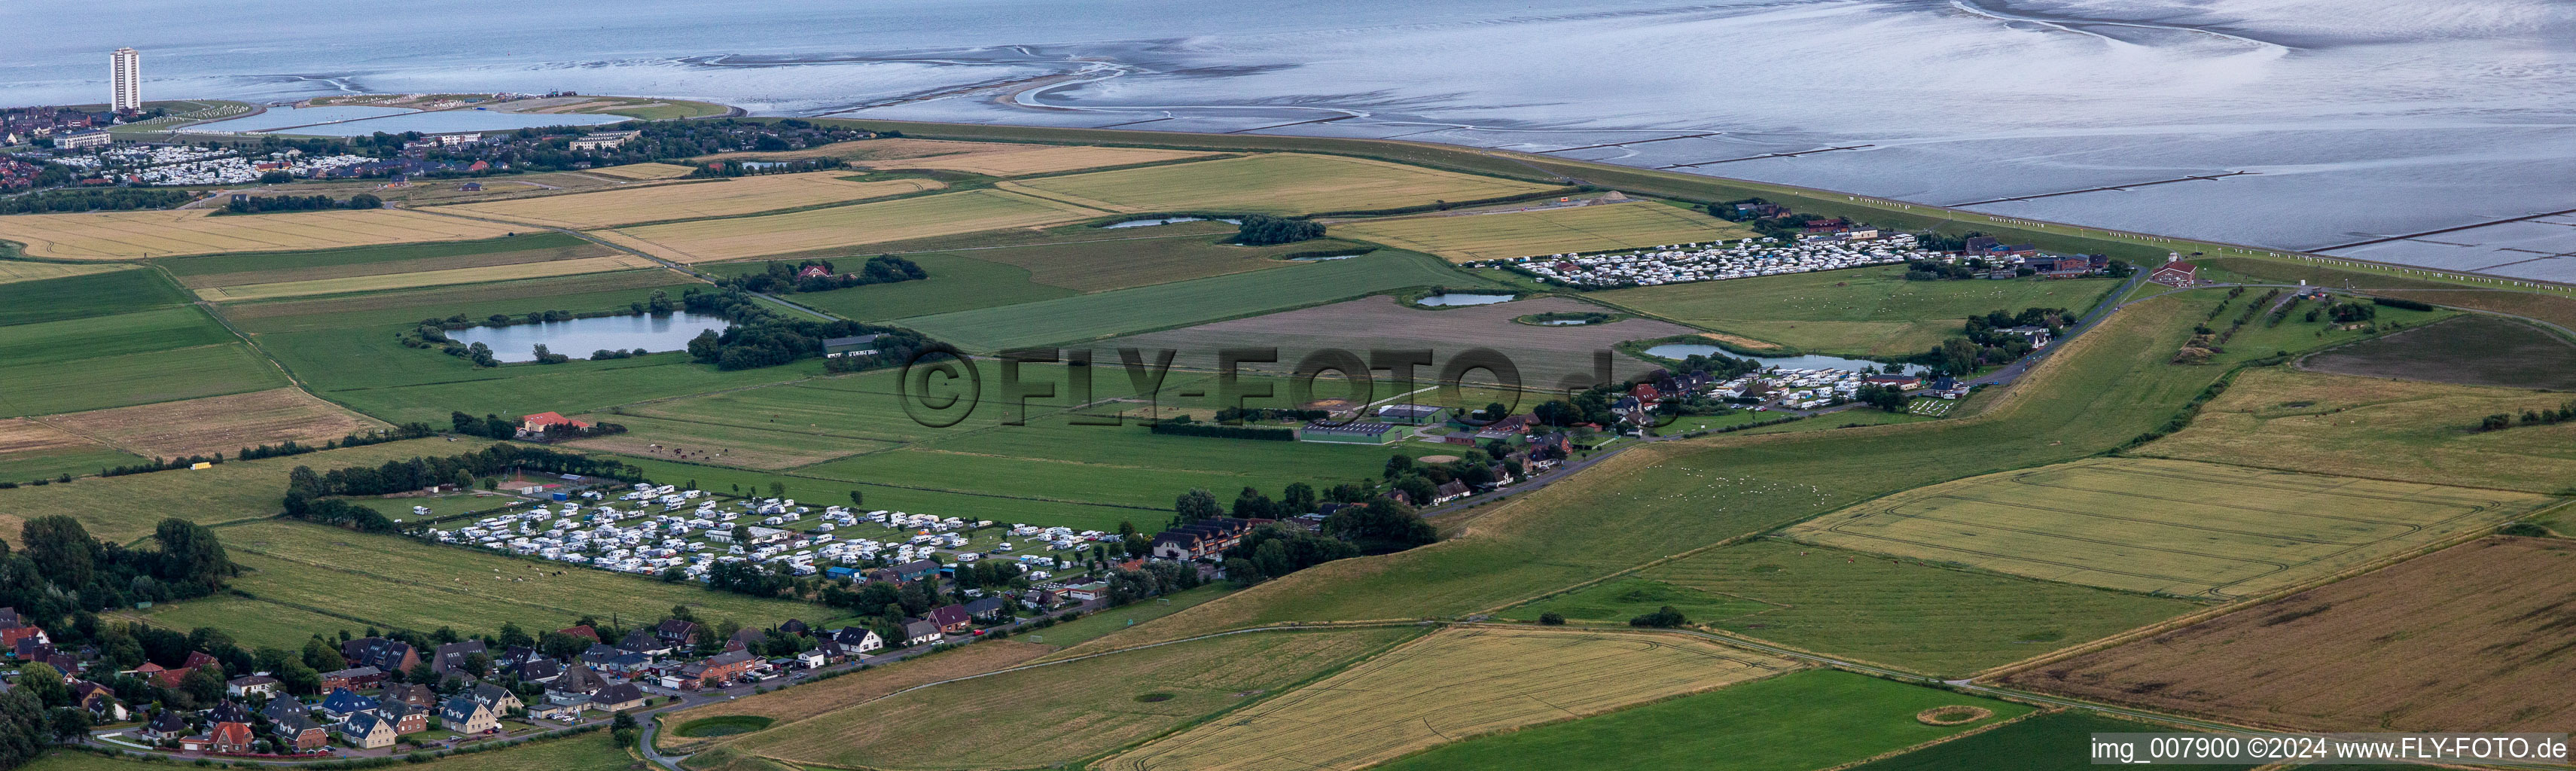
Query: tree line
x,y
96,199
761,337
782,277
262,204
309,495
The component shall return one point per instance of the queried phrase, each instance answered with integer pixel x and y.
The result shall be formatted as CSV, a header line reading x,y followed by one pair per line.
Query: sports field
x,y
1271,183
2454,641
993,158
842,226
283,267
379,283
1861,310
140,234
1067,712
2164,526
218,424
2379,428
1505,235
727,197
1182,303
1452,684
642,171
1817,718
12,271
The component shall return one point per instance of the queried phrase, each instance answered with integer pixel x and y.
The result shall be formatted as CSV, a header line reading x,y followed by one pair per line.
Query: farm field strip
x,y
427,278
1506,235
2161,526
743,446
643,171
1542,355
13,271
1453,683
136,378
1003,160
32,346
1126,311
844,226
126,507
1273,183
2384,429
142,234
2484,620
203,272
724,197
823,697
32,450
218,424
402,307
1860,310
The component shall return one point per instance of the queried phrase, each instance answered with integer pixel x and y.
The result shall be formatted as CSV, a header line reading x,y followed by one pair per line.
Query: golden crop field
x,y
715,198
216,424
1066,712
1273,183
1009,160
21,270
131,235
1451,685
840,226
2277,417
424,278
2165,526
643,171
1505,235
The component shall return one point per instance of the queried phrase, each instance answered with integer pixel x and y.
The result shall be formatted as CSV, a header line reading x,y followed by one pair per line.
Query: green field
x,y
1509,234
125,508
247,267
1183,303
1614,602
1083,629
399,309
2169,527
585,752
135,378
2382,429
1270,184
957,282
1098,266
113,340
391,581
97,294
77,459
1817,718
56,342
1928,619
2057,741
251,622
1871,311
1068,712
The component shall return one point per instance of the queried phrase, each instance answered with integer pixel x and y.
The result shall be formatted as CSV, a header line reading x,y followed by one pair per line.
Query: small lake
x,y
1143,223
1686,350
579,337
1448,299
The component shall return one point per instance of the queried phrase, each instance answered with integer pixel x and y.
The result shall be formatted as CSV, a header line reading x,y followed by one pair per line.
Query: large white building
x,y
125,77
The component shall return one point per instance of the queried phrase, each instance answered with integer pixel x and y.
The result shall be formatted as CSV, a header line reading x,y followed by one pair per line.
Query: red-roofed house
x,y
9,637
233,738
583,632
2176,274
540,422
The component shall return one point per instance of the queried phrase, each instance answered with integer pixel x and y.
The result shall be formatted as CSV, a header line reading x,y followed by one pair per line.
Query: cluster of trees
x,y
767,144
2536,417
272,203
605,354
2346,312
761,337
1984,342
1183,425
1887,398
1931,270
546,355
1154,578
781,277
1663,618
58,570
885,604
289,447
550,148
1274,550
1266,230
95,199
309,494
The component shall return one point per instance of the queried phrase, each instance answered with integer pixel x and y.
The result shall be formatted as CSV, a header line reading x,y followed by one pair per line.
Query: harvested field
x,y
427,278
2379,428
856,688
2470,350
2165,526
273,268
693,200
1000,159
2467,639
21,270
20,436
1274,183
842,226
1067,712
1543,355
643,171
141,234
1450,685
32,450
219,424
1504,235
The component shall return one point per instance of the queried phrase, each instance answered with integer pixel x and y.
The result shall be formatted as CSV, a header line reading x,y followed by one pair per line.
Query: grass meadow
x,y
1872,311
82,296
125,508
2054,741
33,450
1183,303
2384,429
1506,235
957,282
135,378
273,267
1272,183
1818,718
1067,712
1450,684
1098,266
425,278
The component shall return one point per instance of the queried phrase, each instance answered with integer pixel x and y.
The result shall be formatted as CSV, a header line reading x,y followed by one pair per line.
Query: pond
x,y
579,337
1165,221
1451,299
1685,350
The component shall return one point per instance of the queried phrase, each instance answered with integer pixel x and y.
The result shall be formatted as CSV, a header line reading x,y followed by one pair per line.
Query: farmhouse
x,y
547,421
1202,539
2176,274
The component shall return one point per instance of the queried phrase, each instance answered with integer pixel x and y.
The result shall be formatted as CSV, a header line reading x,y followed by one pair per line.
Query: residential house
x,y
812,658
643,641
465,715
1450,491
245,686
676,633
718,669
166,725
450,658
392,656
987,608
537,670
745,639
500,699
617,698
575,686
795,627
556,712
584,632
1087,592
405,718
858,640
344,702
299,732
2176,274
278,709
951,618
415,695
352,678
917,631
229,712
99,700
221,738
366,731
16,636
1205,538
